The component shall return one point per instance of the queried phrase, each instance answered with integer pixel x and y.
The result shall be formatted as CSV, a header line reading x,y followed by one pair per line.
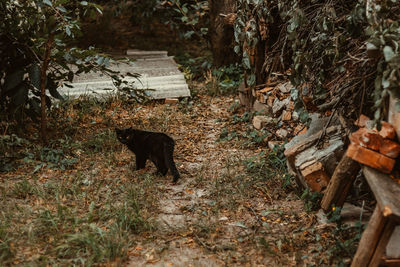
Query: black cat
x,y
158,147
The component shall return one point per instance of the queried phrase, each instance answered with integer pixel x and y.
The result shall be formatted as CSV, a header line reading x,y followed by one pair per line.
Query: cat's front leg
x,y
140,162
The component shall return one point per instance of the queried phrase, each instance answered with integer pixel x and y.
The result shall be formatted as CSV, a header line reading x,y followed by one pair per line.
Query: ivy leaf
x,y
34,75
14,79
48,2
246,61
68,31
377,115
251,80
62,9
388,53
236,49
385,83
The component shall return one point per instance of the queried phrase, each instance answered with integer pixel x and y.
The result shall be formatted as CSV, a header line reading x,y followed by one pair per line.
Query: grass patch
x,y
6,250
75,201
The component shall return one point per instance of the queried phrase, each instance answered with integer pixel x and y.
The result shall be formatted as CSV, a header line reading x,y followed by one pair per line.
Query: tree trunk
x,y
43,78
221,33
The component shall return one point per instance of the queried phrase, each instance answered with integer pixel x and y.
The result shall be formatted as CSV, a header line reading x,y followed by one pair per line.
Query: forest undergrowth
x,y
78,200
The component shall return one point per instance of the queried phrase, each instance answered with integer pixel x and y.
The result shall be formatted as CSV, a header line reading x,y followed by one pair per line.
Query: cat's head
x,y
124,135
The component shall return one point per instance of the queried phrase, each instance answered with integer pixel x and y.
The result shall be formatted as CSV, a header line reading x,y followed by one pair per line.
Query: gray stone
x,y
285,87
261,108
140,54
321,217
260,121
272,144
279,105
282,133
295,116
350,211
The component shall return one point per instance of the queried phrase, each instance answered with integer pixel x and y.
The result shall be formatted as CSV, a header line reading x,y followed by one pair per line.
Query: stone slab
x,y
159,73
135,53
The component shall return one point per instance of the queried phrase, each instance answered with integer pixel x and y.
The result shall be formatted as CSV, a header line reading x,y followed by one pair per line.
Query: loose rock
x,y
282,133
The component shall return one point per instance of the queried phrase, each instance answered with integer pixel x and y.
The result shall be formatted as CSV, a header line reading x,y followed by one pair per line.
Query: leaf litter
x,y
231,206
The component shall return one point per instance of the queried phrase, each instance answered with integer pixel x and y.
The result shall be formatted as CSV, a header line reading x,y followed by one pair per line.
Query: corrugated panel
x,y
159,73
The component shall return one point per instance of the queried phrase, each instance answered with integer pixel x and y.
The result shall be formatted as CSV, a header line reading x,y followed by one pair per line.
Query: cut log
x,y
340,183
382,223
370,158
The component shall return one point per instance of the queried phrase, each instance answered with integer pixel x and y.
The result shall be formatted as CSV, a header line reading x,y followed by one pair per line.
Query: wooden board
x,y
386,191
340,183
369,239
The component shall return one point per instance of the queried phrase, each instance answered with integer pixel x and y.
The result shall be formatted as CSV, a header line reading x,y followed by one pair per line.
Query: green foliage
x,y
345,52
347,238
55,158
192,16
91,245
193,67
9,143
34,32
270,165
246,32
188,17
23,189
224,80
6,251
311,200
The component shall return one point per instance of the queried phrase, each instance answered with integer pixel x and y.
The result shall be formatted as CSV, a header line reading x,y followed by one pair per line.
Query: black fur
x,y
158,147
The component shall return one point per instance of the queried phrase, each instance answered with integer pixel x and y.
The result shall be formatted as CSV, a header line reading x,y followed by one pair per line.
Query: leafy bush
x,y
36,40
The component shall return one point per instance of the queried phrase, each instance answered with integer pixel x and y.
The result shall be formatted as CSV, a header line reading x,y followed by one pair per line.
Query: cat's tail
x,y
169,160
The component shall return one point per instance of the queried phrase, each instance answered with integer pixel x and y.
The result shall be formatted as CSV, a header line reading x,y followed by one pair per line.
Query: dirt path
x,y
214,215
